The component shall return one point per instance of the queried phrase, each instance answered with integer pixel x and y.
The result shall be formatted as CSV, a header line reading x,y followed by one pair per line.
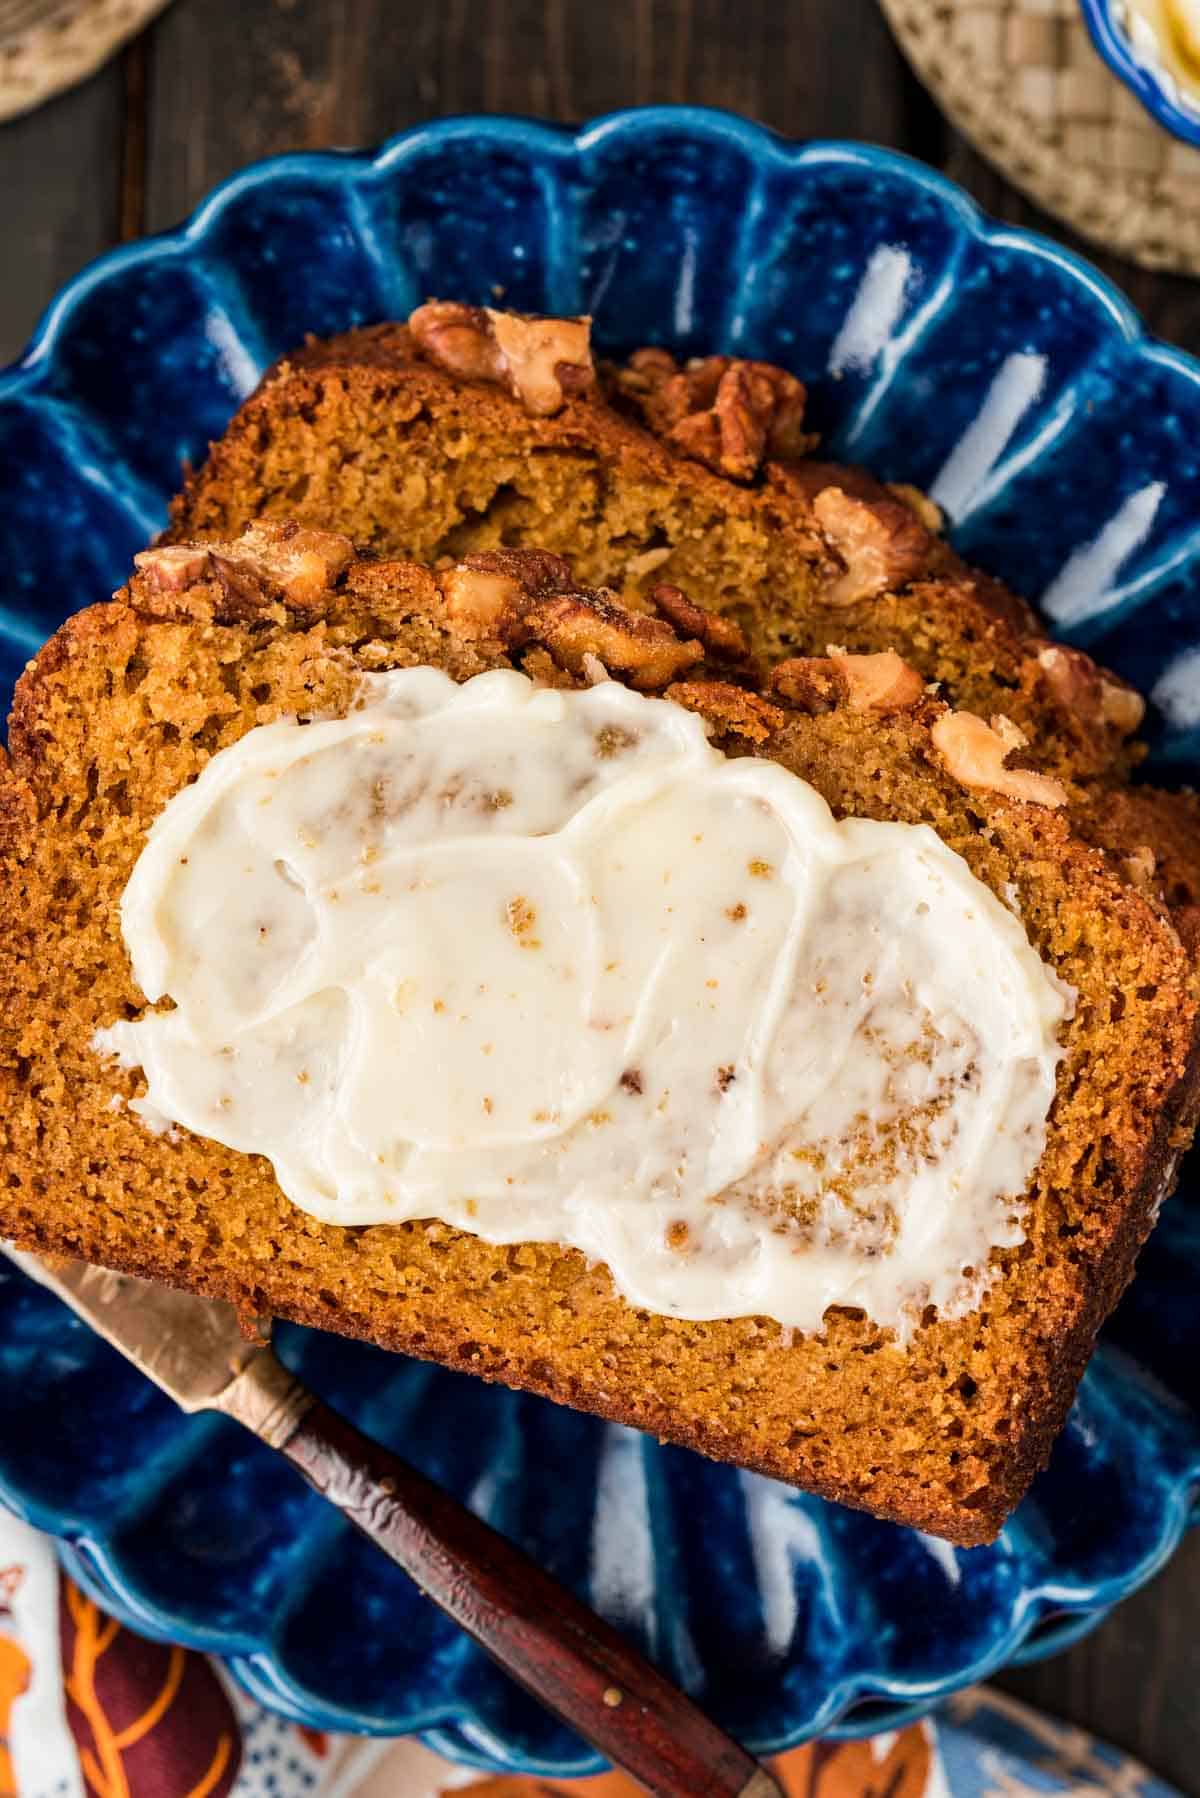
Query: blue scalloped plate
x,y
986,364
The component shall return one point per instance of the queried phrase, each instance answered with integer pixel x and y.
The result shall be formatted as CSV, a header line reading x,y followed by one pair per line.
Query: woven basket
x,y
1021,80
49,45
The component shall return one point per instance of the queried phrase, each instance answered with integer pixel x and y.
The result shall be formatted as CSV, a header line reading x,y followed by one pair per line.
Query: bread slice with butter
x,y
144,714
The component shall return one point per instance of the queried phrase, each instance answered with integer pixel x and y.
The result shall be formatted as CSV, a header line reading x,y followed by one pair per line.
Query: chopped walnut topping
x,y
478,602
539,360
545,358
1121,705
528,596
975,753
878,683
722,637
458,339
1082,688
645,651
926,510
267,562
305,563
174,566
883,682
720,410
880,543
730,710
1140,867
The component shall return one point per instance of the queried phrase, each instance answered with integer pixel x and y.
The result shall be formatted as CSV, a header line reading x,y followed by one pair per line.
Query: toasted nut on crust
x,y
645,651
173,567
457,338
1140,867
539,360
975,752
724,411
537,571
1120,705
523,596
883,682
266,562
303,562
1082,688
730,710
926,510
478,602
880,543
722,637
545,358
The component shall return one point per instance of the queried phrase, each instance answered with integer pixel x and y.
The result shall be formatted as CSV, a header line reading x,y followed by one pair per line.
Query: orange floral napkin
x,y
88,1709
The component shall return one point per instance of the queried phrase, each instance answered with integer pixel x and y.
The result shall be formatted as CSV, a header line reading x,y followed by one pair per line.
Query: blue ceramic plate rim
x,y
1113,44
757,142
1045,1615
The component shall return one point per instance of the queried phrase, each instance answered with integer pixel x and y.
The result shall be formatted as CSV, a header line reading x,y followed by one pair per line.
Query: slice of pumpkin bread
x,y
131,700
469,430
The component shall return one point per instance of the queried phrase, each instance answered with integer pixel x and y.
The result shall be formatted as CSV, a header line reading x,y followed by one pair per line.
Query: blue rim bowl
x,y
1152,84
986,364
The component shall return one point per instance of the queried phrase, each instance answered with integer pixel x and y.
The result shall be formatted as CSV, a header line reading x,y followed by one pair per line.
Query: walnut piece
x,y
724,411
925,510
173,567
1140,867
1121,705
478,602
303,563
881,544
1092,695
268,561
458,339
730,710
519,597
882,682
975,753
539,360
722,637
645,651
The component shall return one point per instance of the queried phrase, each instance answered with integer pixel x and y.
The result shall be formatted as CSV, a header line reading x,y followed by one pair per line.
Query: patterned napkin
x,y
90,1710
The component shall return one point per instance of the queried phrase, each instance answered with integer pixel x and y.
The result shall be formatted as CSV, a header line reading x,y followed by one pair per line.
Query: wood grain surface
x,y
215,83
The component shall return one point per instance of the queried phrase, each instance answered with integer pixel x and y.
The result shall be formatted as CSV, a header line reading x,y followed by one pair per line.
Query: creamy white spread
x,y
548,967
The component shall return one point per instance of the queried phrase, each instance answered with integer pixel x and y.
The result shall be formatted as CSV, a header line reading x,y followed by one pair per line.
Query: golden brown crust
x,y
412,460
125,705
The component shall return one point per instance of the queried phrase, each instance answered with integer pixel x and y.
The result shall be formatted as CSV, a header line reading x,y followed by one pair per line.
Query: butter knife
x,y
573,1662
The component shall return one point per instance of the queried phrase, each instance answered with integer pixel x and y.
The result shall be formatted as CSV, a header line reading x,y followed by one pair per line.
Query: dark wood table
x,y
215,83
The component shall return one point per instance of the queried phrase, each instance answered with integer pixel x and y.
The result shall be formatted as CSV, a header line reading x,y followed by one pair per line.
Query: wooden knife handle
x,y
566,1656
